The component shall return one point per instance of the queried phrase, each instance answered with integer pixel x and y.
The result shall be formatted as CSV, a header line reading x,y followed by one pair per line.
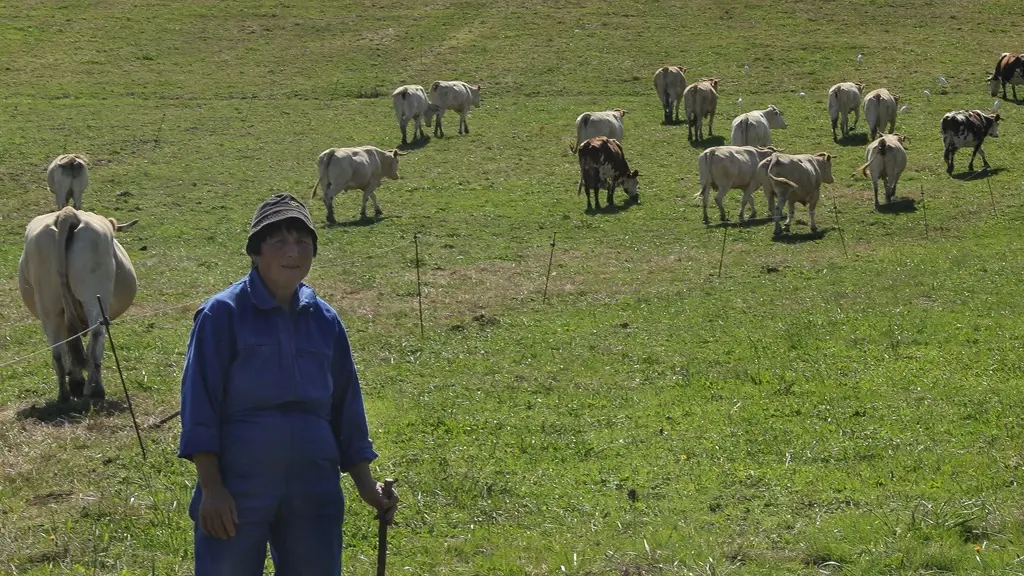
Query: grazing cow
x,y
727,168
793,178
963,128
68,174
844,98
593,124
603,165
69,258
754,128
879,110
886,158
670,82
1009,70
411,103
700,100
360,168
453,95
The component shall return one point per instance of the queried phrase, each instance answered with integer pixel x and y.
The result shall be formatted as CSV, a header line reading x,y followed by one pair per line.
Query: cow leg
x,y
874,186
1014,87
368,193
75,364
718,202
402,125
981,151
791,203
704,202
53,326
94,359
856,117
811,209
329,204
677,110
835,122
777,215
438,131
950,154
890,189
611,194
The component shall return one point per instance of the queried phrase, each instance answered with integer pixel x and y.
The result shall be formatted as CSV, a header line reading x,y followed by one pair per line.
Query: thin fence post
x,y
156,141
249,107
113,350
924,208
551,259
991,197
835,208
721,258
419,288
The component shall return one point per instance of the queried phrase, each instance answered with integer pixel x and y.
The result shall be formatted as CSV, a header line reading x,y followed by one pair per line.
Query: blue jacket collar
x,y
304,297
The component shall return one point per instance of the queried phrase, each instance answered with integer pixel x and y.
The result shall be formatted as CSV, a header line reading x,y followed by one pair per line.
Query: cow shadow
x,y
54,413
898,206
967,175
612,209
800,237
673,123
415,144
858,139
360,222
708,142
748,223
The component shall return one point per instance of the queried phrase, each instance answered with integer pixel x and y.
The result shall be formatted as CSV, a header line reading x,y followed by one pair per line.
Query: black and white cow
x,y
965,128
603,165
1009,70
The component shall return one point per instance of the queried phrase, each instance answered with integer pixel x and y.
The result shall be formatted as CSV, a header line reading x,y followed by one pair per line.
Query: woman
x,y
271,412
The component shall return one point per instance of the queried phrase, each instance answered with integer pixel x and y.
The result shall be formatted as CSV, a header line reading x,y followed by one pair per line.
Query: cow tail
x,y
322,166
775,178
746,130
67,221
871,156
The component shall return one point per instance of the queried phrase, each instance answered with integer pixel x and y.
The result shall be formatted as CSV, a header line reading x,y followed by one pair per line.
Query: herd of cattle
x,y
72,256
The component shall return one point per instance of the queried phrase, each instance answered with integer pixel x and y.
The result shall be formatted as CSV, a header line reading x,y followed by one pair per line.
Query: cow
x,y
68,174
411,103
670,82
886,159
359,168
700,100
1009,70
727,168
603,165
453,95
879,110
792,178
71,257
593,124
844,98
754,128
963,128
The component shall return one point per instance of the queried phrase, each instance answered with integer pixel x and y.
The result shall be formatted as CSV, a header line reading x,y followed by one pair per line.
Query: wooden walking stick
x,y
382,530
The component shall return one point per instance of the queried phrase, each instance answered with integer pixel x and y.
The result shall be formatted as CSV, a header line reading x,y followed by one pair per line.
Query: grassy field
x,y
848,403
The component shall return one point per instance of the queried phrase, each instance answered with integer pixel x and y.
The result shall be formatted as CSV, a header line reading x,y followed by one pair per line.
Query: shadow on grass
x,y
969,176
801,237
612,209
415,144
748,223
60,414
858,139
360,222
898,206
708,142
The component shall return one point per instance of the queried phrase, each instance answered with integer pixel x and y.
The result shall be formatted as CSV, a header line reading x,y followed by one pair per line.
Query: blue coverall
x,y
276,396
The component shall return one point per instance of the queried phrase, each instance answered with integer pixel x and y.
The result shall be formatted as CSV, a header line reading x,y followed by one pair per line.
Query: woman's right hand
x,y
217,513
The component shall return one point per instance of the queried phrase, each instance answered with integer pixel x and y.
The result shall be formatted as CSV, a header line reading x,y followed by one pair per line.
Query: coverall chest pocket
x,y
313,373
256,375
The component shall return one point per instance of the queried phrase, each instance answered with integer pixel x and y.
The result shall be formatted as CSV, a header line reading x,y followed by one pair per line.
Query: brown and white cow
x,y
70,257
411,103
844,98
792,178
359,168
68,175
727,168
964,128
603,165
879,110
453,95
670,82
886,159
754,128
700,100
1009,70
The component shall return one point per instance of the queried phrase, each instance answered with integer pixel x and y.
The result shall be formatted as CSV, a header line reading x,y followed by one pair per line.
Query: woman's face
x,y
285,259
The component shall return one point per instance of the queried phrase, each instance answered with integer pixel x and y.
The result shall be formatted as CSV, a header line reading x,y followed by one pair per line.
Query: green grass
x,y
806,411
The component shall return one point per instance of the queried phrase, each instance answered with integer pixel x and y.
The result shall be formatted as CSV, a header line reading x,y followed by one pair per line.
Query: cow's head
x,y
774,117
993,84
474,93
630,183
432,110
993,129
825,166
389,163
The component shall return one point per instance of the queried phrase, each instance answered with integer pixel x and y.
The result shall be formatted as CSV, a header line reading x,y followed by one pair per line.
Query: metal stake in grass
x,y
550,260
249,107
990,196
156,141
835,208
721,258
419,287
924,208
110,338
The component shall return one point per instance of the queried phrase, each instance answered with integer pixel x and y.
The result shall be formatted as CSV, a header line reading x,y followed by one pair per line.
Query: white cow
x,y
880,109
793,178
754,128
844,98
886,158
68,174
411,103
359,168
727,168
670,82
700,100
453,95
593,124
70,257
